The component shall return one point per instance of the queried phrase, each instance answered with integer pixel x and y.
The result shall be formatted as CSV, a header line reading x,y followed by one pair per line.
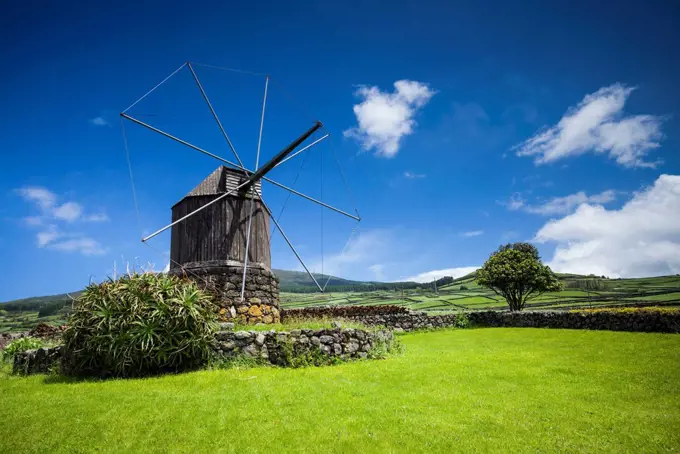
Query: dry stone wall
x,y
643,321
261,297
39,361
284,348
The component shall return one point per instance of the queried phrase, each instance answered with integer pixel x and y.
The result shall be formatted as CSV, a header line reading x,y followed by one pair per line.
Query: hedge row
x,y
342,311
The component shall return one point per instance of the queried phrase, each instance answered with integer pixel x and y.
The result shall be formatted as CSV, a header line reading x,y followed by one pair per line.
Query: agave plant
x,y
140,324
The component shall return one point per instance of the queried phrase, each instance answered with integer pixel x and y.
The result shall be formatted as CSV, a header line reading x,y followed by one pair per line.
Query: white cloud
x,y
642,238
33,220
413,176
558,205
597,124
97,217
83,245
360,252
472,233
566,204
69,211
44,198
378,270
430,276
52,215
385,118
514,203
99,121
47,236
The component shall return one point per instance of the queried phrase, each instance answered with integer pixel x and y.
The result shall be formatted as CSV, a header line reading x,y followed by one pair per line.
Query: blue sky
x,y
459,127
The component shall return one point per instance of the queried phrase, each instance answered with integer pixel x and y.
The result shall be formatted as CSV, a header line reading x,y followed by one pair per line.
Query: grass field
x,y
466,294
463,294
501,390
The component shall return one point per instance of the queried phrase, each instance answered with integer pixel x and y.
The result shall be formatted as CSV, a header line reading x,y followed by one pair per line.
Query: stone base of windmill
x,y
223,280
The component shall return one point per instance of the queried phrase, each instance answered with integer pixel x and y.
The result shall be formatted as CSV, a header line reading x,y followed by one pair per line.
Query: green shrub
x,y
20,345
462,320
139,325
463,287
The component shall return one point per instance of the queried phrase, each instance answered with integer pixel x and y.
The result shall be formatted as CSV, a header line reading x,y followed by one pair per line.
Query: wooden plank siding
x,y
219,232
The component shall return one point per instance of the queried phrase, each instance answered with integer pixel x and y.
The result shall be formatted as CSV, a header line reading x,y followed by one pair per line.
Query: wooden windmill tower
x,y
220,229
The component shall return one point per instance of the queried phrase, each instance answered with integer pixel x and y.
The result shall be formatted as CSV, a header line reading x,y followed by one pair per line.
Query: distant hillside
x,y
300,282
290,281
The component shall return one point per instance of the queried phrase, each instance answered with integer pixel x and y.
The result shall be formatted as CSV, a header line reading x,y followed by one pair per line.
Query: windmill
x,y
220,230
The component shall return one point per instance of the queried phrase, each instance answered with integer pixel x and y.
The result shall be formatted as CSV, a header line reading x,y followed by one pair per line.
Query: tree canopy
x,y
516,273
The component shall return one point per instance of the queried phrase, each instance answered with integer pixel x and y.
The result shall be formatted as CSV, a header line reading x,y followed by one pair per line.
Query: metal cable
x,y
132,179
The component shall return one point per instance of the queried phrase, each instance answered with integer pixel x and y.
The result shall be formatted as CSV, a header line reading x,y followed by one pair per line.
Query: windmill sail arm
x,y
262,171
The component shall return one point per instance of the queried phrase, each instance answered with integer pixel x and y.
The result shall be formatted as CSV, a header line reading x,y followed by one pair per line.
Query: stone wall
x,y
643,321
297,347
284,348
261,298
39,361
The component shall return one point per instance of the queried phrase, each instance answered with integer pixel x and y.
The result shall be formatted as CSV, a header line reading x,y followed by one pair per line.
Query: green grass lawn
x,y
501,390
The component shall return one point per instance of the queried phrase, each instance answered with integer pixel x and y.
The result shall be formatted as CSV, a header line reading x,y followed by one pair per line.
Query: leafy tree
x,y
516,273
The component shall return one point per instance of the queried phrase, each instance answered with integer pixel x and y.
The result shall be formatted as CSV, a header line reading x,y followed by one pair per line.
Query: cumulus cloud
x,y
430,276
472,233
385,118
69,211
52,214
566,204
99,121
558,205
597,124
642,238
46,201
53,238
44,198
83,245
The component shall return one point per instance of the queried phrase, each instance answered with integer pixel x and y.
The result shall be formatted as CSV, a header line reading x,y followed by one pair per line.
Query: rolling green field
x,y
462,294
466,294
479,390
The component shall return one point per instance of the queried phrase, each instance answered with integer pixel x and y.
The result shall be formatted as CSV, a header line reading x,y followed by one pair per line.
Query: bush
x,y
463,287
462,320
139,325
20,345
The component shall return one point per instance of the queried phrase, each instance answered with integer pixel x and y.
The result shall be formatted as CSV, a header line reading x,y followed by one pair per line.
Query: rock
x,y
398,330
259,339
227,326
228,346
326,339
337,349
315,340
352,347
336,324
255,300
242,309
255,311
268,319
251,350
240,335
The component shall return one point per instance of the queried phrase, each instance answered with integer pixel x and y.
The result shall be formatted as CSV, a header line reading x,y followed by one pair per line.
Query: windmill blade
x,y
234,165
260,173
247,186
214,114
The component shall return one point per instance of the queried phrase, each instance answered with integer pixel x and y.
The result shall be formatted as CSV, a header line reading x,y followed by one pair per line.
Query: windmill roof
x,y
221,180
